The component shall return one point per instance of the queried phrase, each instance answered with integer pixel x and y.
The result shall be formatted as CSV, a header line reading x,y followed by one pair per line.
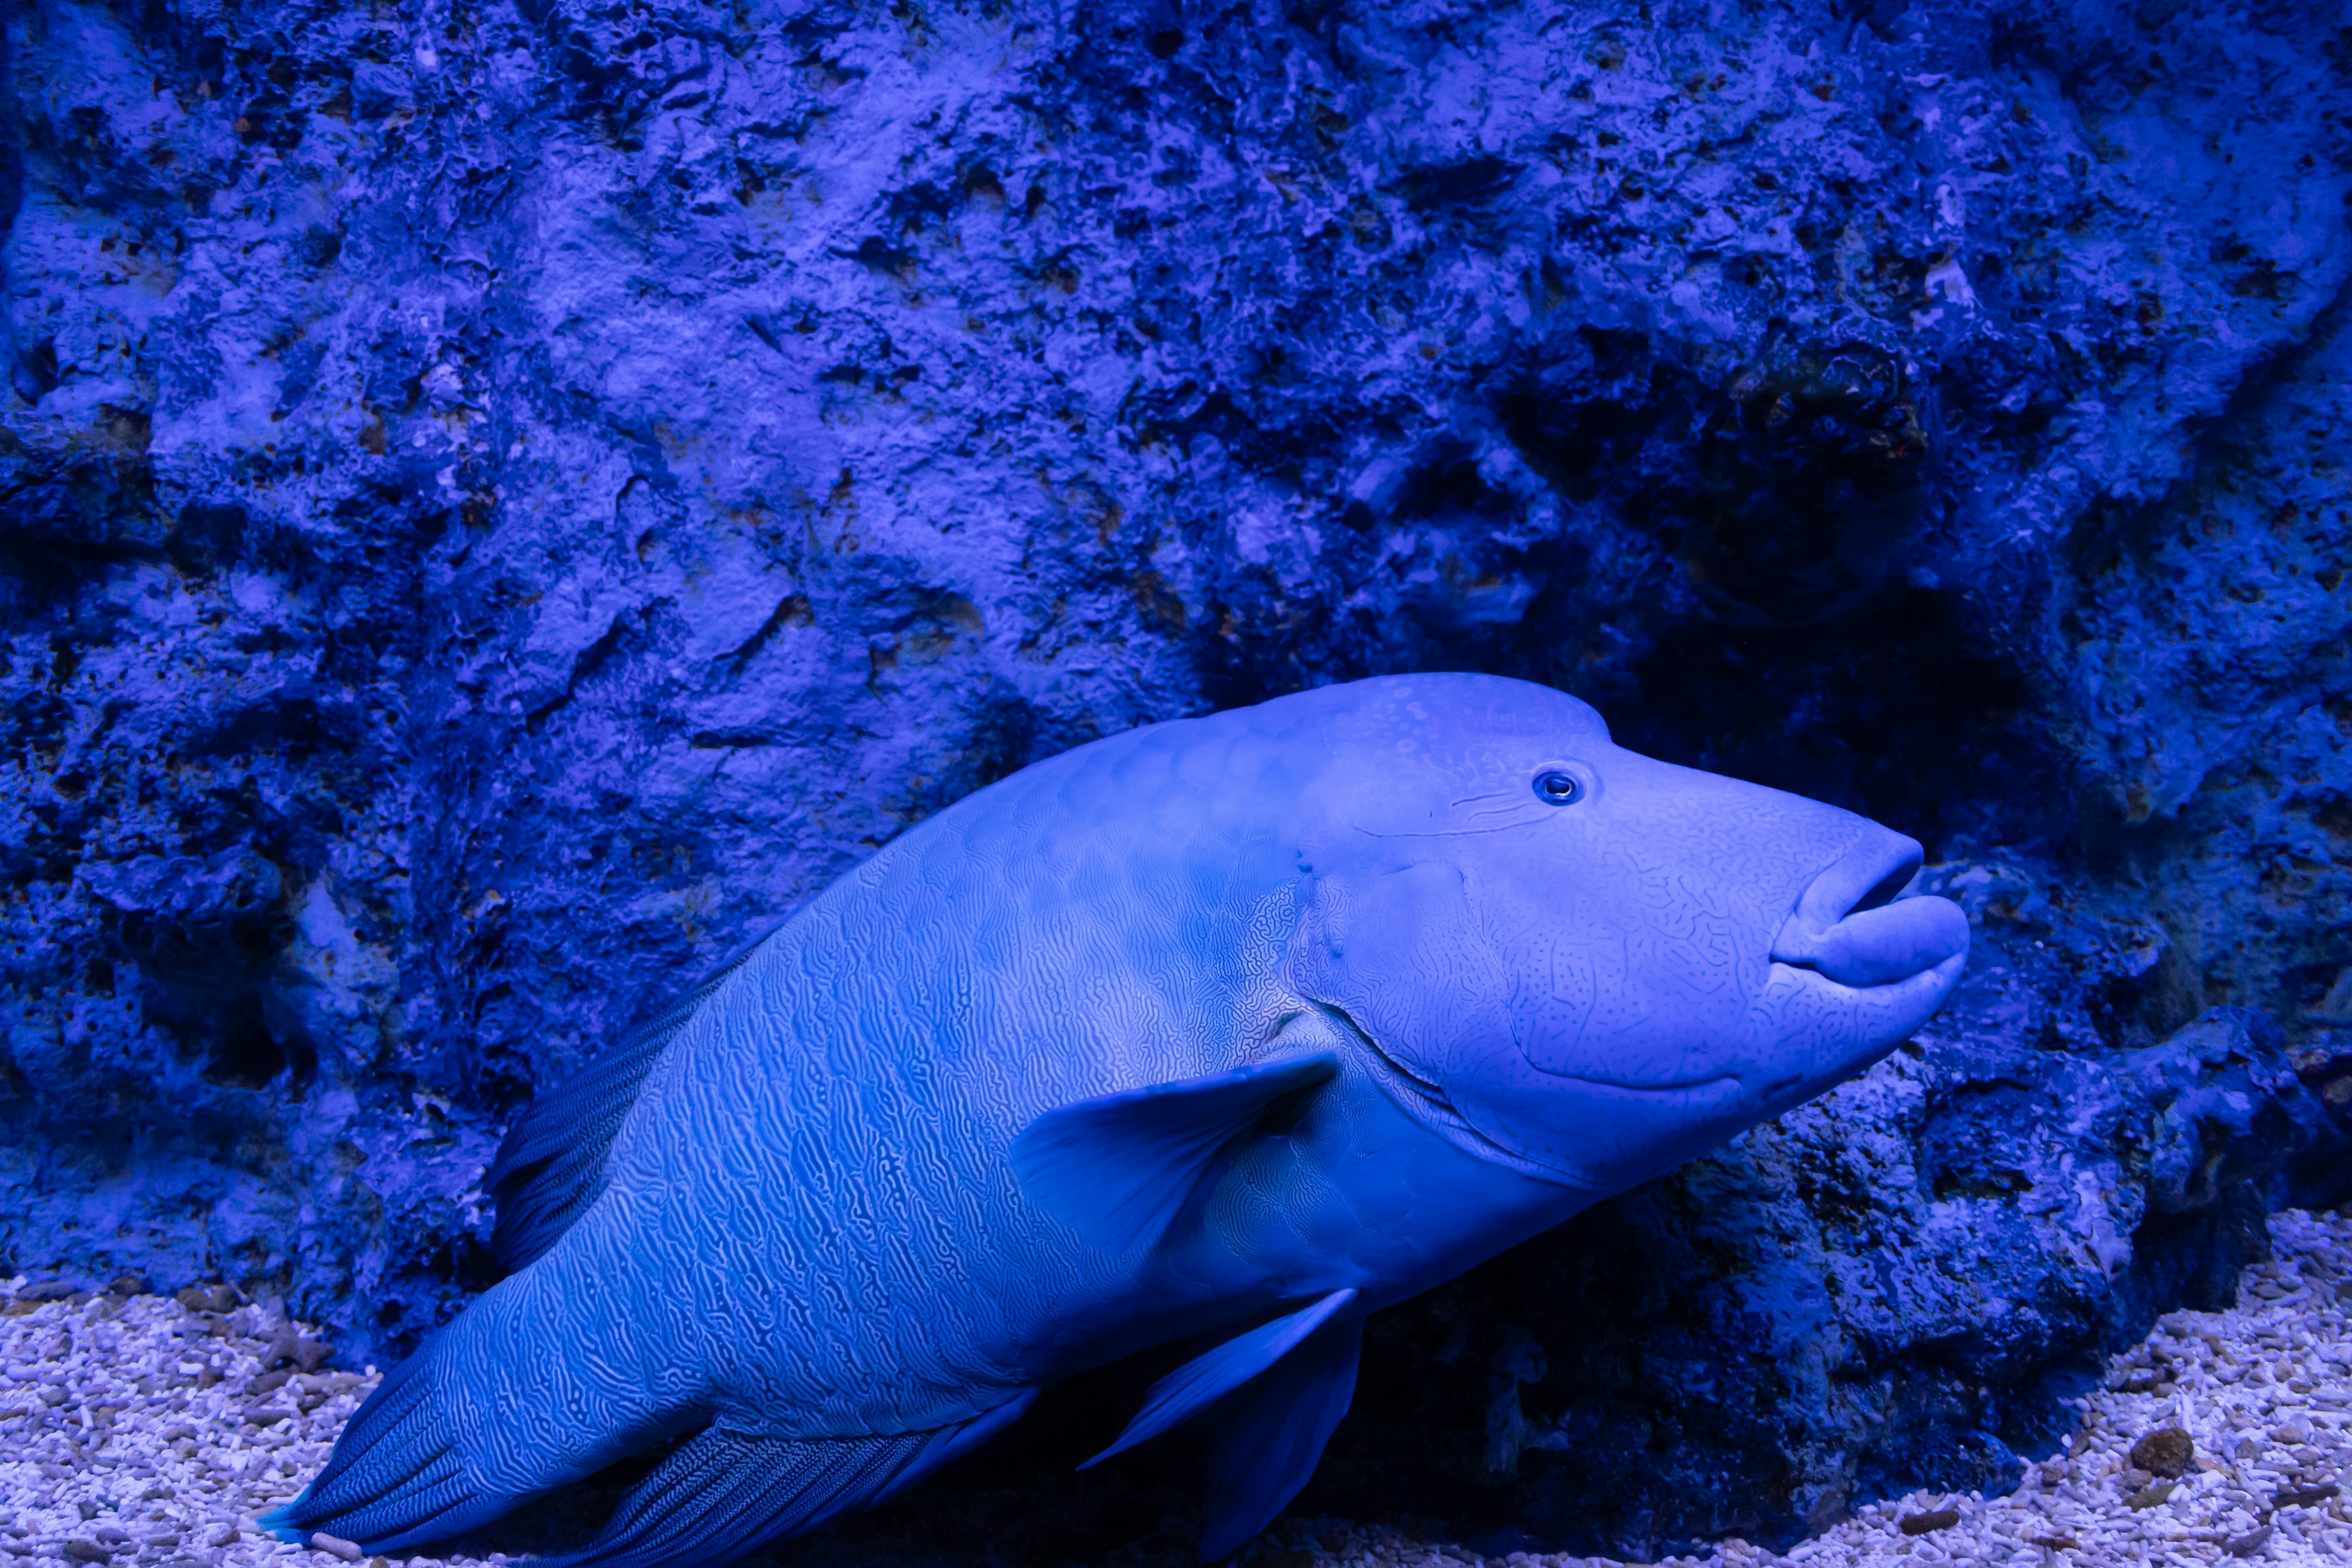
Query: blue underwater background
x,y
500,503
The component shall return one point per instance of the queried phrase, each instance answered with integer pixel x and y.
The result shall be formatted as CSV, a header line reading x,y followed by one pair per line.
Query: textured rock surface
x,y
499,503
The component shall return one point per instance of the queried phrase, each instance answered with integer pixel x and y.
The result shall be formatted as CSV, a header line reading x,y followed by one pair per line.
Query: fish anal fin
x,y
550,1165
1211,1376
722,1495
1261,1443
1118,1169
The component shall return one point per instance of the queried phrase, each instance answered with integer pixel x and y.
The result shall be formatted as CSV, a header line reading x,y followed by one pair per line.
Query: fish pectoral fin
x,y
721,1495
1264,1443
1117,1169
1207,1378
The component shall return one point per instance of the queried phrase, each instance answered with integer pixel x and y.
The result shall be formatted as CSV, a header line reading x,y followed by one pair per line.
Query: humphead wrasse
x,y
1231,1029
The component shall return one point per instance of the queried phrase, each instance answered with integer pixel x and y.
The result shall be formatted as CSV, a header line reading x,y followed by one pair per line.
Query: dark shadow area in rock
x,y
1888,712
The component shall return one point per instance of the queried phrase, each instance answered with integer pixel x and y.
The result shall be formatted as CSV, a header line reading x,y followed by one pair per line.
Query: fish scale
x,y
1237,1027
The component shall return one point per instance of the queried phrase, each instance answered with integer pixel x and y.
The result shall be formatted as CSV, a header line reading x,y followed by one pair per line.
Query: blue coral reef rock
x,y
503,505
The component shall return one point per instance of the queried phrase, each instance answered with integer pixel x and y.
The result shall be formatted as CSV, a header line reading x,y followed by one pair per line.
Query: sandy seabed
x,y
150,1430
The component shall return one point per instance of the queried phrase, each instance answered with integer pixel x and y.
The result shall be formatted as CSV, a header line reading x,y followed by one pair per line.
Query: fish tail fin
x,y
396,1475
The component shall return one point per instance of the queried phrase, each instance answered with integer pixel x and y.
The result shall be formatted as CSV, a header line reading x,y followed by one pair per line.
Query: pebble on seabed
x,y
150,1430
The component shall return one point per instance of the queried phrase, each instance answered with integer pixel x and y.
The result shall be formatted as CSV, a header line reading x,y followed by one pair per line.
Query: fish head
x,y
1590,963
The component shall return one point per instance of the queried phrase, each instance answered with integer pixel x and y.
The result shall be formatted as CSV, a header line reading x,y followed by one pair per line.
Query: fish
x,y
1223,1032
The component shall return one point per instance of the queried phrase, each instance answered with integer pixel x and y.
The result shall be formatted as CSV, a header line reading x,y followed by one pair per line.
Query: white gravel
x,y
150,1430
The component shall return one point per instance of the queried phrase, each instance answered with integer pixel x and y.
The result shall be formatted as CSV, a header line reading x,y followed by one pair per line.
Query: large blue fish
x,y
1234,1029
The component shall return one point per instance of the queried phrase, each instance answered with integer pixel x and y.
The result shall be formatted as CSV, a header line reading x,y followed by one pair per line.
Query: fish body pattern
x,y
1233,1028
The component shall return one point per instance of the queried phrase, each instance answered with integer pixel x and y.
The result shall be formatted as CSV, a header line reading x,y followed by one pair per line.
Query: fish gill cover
x,y
501,504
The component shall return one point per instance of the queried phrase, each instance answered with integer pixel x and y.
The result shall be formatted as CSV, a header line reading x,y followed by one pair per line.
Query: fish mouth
x,y
1850,927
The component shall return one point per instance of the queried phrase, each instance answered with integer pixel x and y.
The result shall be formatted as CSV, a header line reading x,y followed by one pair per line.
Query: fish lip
x,y
1868,876
1864,877
1942,975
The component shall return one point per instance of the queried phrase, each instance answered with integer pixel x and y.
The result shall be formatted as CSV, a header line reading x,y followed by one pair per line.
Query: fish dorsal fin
x,y
1207,1378
1118,1169
550,1165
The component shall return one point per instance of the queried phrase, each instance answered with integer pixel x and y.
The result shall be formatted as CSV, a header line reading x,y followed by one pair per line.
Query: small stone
x,y
208,1297
1934,1518
285,1345
337,1546
2246,1545
2165,1452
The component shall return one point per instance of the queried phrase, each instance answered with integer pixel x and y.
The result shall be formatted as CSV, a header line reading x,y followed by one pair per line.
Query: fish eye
x,y
1554,787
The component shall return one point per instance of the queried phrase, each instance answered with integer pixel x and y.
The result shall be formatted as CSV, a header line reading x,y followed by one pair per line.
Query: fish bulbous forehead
x,y
1396,754
1466,725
